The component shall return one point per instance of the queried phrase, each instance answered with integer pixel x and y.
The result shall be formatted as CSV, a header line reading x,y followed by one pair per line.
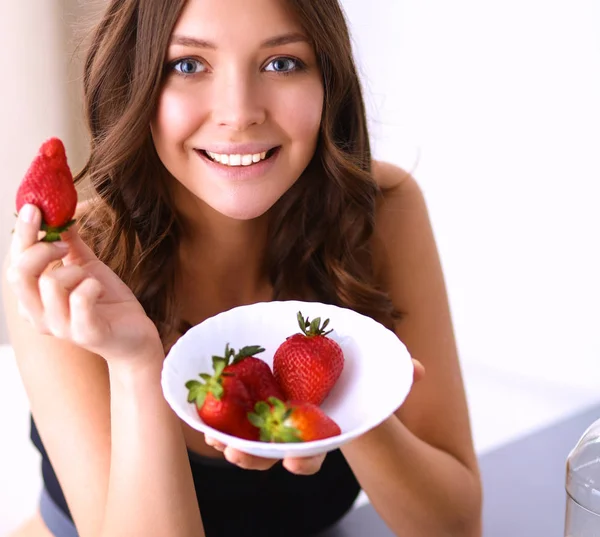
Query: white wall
x,y
496,107
39,94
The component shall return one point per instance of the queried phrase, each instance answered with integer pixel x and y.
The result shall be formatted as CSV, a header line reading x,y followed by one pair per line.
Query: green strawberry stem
x,y
53,233
244,352
313,328
272,420
212,384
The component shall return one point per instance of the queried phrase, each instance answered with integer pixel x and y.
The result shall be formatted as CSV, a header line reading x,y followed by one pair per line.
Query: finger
x,y
79,252
219,446
85,325
419,371
55,288
246,461
27,228
305,465
23,276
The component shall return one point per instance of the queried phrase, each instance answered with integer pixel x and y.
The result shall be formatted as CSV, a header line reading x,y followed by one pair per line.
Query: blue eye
x,y
284,66
188,66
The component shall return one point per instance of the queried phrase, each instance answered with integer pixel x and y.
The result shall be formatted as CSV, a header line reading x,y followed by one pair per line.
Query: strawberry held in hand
x,y
308,365
48,184
302,422
253,372
223,402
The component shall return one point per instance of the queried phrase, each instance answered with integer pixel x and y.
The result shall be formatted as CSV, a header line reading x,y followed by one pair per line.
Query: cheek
x,y
177,117
301,112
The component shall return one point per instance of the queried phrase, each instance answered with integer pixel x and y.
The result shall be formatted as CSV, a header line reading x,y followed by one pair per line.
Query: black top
x,y
235,502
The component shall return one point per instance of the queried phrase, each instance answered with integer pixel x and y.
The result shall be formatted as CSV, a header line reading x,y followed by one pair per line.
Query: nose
x,y
237,102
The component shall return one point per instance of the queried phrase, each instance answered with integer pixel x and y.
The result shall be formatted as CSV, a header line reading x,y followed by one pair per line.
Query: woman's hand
x,y
80,300
419,371
300,466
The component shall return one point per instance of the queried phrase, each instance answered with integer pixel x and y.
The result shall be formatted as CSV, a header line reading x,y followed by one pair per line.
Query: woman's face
x,y
240,110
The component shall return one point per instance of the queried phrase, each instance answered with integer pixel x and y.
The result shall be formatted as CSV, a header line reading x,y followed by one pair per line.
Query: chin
x,y
243,211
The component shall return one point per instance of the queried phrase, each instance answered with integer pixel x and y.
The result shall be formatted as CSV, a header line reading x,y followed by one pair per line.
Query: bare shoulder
x,y
389,176
401,217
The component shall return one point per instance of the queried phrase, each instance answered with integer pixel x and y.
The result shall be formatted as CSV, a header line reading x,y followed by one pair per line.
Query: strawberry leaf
x,y
288,435
262,408
197,392
278,404
256,420
247,352
192,384
219,365
53,233
271,420
313,328
302,322
217,390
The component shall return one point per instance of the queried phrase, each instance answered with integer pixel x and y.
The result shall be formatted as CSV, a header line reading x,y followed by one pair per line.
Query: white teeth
x,y
237,160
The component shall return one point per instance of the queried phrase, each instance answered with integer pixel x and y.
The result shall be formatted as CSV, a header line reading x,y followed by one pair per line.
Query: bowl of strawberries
x,y
286,378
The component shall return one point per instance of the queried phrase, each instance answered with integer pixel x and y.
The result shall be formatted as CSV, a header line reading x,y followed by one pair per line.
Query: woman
x,y
231,163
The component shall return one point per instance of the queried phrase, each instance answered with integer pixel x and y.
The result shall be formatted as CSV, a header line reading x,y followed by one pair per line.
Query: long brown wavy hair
x,y
320,230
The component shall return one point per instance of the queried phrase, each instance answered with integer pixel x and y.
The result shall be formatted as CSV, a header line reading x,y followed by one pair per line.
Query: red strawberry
x,y
293,422
48,184
223,402
308,365
253,372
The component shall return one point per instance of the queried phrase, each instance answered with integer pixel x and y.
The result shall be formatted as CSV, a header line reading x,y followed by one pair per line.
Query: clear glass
x,y
582,517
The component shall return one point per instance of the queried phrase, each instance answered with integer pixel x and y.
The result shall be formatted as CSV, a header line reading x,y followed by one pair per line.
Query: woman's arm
x,y
117,449
419,468
150,489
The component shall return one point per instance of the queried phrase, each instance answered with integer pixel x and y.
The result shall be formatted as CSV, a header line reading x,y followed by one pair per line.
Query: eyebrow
x,y
272,42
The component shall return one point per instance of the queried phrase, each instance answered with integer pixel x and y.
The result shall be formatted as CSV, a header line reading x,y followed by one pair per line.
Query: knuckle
x,y
41,326
83,335
46,279
60,330
55,324
77,299
48,284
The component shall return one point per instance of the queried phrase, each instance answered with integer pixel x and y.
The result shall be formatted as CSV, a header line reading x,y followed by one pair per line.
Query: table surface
x,y
523,484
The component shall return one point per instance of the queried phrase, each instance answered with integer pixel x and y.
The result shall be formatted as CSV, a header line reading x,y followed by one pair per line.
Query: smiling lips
x,y
238,159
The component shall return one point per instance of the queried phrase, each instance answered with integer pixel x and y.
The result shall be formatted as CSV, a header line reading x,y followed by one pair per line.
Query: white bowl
x,y
377,374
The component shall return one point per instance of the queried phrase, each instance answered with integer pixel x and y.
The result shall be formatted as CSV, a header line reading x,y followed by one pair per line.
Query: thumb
x,y
419,371
79,252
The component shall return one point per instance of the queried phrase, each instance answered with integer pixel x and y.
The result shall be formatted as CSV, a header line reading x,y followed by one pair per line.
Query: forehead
x,y
227,22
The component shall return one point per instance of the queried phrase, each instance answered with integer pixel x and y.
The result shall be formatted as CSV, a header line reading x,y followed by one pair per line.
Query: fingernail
x,y
28,213
62,245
